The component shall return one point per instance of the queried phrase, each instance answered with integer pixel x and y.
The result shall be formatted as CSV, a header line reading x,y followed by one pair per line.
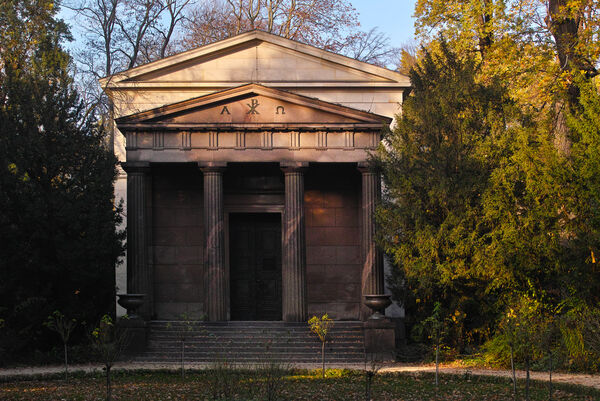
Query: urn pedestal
x,y
380,338
134,325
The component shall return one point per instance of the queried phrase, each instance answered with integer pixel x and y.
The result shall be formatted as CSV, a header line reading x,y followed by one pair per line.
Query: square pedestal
x,y
380,339
136,335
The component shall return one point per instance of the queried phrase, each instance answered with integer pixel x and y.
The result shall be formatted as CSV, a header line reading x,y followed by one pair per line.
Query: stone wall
x,y
333,253
178,242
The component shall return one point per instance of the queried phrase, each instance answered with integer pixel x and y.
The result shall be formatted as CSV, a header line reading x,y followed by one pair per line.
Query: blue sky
x,y
393,17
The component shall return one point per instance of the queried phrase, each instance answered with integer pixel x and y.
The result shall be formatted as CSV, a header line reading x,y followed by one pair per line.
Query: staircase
x,y
251,342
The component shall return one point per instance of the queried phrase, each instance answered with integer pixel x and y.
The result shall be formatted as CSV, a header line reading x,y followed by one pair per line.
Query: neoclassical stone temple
x,y
248,192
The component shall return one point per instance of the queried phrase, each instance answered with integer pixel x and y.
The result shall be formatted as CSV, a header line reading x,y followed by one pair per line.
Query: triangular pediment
x,y
255,56
252,105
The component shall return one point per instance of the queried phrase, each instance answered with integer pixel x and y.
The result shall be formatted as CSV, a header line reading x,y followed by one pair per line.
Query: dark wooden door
x,y
255,266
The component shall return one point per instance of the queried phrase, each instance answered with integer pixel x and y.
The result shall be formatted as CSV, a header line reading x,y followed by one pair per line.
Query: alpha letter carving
x,y
253,105
225,110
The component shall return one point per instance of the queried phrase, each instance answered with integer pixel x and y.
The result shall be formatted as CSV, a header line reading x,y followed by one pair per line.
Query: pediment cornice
x,y
135,77
252,106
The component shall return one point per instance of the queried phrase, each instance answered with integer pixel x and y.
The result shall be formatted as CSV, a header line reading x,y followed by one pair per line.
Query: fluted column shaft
x,y
140,276
372,274
216,278
294,247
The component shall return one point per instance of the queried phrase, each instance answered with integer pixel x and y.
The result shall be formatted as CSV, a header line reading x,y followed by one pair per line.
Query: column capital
x,y
135,167
293,167
367,168
212,167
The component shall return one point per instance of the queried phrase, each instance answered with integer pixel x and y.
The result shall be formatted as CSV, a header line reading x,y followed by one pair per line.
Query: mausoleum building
x,y
246,180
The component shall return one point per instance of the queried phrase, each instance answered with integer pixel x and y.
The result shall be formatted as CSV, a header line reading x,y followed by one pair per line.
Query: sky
x,y
393,17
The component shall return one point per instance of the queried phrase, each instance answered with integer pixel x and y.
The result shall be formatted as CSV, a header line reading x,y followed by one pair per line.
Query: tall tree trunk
x,y
485,36
563,23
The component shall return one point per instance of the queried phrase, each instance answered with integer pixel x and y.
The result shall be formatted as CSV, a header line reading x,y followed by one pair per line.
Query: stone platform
x,y
251,342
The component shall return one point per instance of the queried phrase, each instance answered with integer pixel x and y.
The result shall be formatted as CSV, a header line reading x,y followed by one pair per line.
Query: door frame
x,y
246,209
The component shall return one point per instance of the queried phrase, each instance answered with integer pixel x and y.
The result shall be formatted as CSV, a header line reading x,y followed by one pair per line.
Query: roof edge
x,y
246,37
177,107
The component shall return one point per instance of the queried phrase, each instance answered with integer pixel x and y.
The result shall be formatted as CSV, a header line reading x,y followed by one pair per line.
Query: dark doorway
x,y
255,266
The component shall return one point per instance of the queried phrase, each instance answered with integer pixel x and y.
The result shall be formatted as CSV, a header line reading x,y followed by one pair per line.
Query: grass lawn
x,y
227,384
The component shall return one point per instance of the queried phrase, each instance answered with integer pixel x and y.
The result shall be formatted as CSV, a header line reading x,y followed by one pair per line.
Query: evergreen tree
x,y
483,210
436,166
57,217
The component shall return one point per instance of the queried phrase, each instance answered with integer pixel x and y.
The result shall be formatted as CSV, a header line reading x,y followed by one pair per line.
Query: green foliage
x,y
436,166
61,325
524,328
436,324
320,326
492,211
57,215
542,207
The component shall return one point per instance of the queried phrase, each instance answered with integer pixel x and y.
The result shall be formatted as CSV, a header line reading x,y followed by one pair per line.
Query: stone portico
x,y
248,192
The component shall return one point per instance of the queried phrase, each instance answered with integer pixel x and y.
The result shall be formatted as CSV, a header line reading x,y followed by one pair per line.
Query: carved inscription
x,y
253,105
252,108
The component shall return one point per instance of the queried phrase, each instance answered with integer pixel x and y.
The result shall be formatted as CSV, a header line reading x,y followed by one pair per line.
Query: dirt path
x,y
570,378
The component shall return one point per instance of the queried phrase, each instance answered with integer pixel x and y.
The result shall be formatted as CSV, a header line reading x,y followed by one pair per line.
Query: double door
x,y
255,266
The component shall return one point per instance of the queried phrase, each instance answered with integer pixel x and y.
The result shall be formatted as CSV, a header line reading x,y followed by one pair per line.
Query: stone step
x,y
310,352
241,350
234,337
252,342
262,342
280,359
284,356
254,329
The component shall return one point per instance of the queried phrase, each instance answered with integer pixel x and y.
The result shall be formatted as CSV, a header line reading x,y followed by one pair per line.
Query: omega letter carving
x,y
280,108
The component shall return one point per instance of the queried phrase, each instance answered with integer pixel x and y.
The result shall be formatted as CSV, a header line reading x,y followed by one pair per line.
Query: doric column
x,y
140,275
372,274
294,246
216,278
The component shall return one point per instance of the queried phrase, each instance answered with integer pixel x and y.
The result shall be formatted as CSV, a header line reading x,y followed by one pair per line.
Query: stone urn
x,y
377,303
131,302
